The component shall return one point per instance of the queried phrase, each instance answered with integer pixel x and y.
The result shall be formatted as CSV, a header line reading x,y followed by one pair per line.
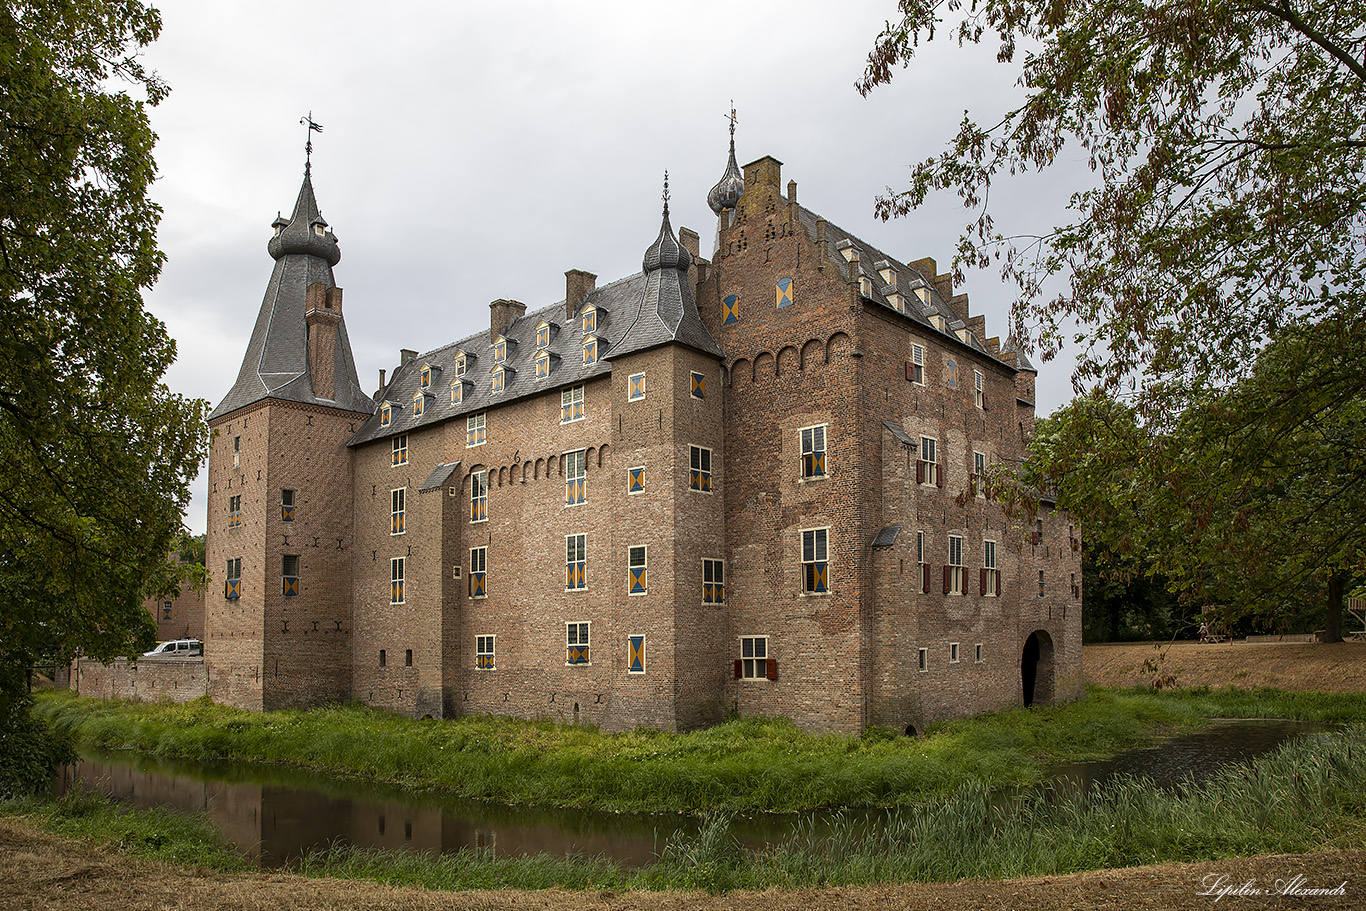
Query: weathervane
x,y
732,118
308,146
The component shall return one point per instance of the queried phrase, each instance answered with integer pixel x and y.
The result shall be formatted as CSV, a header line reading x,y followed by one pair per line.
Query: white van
x,y
176,648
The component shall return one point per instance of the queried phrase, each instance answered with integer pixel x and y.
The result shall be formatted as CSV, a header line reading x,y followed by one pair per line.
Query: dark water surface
x,y
273,815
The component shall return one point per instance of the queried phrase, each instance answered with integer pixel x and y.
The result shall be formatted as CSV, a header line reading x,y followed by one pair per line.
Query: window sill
x,y
813,478
815,594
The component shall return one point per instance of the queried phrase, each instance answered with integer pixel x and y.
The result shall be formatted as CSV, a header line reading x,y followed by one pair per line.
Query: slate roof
x,y
276,363
440,474
650,308
886,536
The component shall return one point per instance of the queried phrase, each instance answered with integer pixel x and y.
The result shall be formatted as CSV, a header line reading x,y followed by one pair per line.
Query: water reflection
x,y
274,815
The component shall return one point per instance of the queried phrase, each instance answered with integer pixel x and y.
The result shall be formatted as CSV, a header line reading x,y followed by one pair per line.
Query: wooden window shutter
x,y
919,472
983,585
946,578
771,668
943,470
1034,537
738,668
925,578
984,401
910,371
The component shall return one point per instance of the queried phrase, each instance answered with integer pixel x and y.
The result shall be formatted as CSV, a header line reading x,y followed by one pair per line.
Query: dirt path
x,y
1336,668
40,872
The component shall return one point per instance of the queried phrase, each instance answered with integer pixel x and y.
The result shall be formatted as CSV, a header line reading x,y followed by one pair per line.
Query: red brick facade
x,y
759,532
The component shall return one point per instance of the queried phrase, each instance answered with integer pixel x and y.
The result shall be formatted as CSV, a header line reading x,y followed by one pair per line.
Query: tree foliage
x,y
96,454
1227,211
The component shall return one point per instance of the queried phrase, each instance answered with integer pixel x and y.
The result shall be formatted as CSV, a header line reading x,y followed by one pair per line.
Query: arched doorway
x,y
1036,669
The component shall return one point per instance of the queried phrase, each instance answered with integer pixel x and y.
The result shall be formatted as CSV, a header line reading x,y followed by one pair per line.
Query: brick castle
x,y
743,484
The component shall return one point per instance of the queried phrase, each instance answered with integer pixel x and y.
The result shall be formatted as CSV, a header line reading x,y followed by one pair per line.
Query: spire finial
x,y
666,193
313,127
732,118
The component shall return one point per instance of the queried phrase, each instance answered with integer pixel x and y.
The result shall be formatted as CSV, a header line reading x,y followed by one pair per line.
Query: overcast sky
x,y
478,151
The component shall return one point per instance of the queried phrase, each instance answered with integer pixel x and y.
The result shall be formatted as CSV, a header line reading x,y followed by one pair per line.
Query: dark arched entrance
x,y
1036,669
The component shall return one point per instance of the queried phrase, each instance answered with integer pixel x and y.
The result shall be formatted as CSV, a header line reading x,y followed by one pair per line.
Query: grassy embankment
x,y
1306,796
743,766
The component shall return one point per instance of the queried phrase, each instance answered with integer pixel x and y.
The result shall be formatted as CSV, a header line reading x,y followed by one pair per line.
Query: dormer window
x,y
426,376
418,404
319,229
543,365
865,286
461,362
924,295
897,300
543,334
457,391
386,414
590,351
590,320
888,275
847,249
500,350
500,377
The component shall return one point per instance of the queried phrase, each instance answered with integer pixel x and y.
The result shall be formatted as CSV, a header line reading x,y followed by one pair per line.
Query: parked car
x,y
177,648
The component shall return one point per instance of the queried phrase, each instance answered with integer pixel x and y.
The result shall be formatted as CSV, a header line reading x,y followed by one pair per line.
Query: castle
x,y
740,484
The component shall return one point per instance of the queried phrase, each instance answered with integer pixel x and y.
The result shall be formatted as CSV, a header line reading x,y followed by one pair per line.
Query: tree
x,y
96,454
1228,209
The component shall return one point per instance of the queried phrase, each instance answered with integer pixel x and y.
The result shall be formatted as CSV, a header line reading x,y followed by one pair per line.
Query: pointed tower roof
x,y
276,363
665,311
728,190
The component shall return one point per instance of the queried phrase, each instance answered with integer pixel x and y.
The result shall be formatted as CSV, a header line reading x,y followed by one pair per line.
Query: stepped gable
x,y
908,280
276,362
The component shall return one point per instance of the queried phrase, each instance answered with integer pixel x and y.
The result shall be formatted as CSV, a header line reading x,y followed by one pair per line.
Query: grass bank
x,y
1306,796
745,765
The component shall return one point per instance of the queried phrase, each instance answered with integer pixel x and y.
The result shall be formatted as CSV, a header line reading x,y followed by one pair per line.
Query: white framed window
x,y
953,653
235,511
713,581
500,350
636,564
286,505
922,564
396,511
953,572
543,365
237,450
918,364
232,583
396,579
400,450
635,479
426,381
479,564
922,657
991,576
590,320
457,391
479,496
754,659
699,469
289,572
576,562
475,429
576,634
636,390
461,363
978,394
979,463
500,378
927,469
590,350
576,477
571,404
386,417
543,334
1040,583
816,561
484,652
978,654
813,452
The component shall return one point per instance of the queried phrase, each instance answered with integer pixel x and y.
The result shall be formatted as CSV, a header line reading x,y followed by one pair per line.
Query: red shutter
x,y
771,668
910,371
1034,538
983,586
924,578
919,472
943,467
946,578
984,401
738,670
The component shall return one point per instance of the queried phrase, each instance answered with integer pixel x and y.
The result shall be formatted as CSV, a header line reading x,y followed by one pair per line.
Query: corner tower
x,y
278,611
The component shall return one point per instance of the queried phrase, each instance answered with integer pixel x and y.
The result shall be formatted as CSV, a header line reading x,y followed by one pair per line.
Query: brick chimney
x,y
762,179
691,242
578,284
501,315
322,315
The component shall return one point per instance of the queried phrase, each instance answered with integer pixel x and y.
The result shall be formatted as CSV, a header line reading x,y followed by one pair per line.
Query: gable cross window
x,y
991,576
576,562
576,642
637,387
635,480
232,585
953,572
483,653
698,388
713,582
571,404
289,571
699,469
474,429
396,580
576,474
815,561
927,469
479,496
635,569
400,450
286,505
396,498
479,557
